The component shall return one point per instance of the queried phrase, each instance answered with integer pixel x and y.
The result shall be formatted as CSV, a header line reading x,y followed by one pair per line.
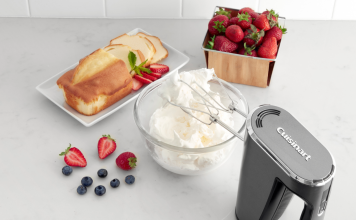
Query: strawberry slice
x,y
143,80
136,85
106,146
148,76
157,75
159,68
74,157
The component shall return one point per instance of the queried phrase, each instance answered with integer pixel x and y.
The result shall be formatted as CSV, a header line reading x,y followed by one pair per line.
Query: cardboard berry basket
x,y
236,68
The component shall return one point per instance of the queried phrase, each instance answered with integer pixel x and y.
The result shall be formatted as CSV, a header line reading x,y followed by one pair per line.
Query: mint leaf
x,y
143,63
144,70
132,59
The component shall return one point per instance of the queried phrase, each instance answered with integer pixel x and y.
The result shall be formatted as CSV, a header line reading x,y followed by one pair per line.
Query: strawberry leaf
x,y
219,26
243,17
223,12
284,30
210,44
108,136
66,151
132,59
132,162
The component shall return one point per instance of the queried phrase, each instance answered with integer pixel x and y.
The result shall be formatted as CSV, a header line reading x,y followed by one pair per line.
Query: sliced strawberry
x,y
74,157
136,85
159,68
157,75
148,76
143,80
106,146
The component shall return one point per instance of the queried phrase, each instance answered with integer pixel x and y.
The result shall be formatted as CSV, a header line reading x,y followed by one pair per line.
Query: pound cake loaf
x,y
98,81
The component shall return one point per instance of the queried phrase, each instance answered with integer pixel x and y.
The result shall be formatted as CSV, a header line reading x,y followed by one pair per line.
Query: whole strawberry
x,y
234,33
253,36
126,161
268,48
244,20
272,16
217,25
74,157
277,32
262,22
106,146
250,11
221,43
248,51
223,12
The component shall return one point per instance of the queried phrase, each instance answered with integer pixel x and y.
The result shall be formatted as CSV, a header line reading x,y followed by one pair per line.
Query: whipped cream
x,y
170,124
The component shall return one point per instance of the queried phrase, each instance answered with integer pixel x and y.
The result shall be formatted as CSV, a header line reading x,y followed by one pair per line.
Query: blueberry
x,y
87,181
100,190
130,179
115,183
81,190
67,170
102,173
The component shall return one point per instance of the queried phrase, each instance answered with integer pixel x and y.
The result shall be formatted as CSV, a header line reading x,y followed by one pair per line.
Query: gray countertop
x,y
314,79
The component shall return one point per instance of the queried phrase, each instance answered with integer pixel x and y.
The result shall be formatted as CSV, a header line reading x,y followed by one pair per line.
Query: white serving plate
x,y
49,88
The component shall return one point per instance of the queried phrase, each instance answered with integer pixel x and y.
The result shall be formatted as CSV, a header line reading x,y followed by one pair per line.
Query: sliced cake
x,y
161,51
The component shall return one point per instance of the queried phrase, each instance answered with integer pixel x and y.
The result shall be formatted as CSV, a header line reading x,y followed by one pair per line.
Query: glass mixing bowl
x,y
181,160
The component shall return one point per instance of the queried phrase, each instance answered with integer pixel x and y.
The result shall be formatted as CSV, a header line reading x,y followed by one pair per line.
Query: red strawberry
x,y
234,33
142,80
253,35
268,49
148,76
244,21
223,12
262,22
277,32
136,85
233,21
217,25
248,51
73,157
221,43
250,11
157,75
272,17
126,161
106,146
159,68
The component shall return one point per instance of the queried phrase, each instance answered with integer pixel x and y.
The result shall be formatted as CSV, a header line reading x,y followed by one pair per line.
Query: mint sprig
x,y
137,69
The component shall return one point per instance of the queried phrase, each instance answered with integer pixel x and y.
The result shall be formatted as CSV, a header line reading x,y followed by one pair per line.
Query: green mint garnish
x,y
136,69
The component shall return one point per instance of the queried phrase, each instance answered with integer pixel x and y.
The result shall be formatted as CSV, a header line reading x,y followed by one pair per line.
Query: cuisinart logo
x,y
293,143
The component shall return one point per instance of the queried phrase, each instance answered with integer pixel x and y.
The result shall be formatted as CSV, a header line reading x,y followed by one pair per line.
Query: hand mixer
x,y
281,158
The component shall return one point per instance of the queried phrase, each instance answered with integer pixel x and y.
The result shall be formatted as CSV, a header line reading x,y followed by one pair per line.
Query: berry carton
x,y
236,68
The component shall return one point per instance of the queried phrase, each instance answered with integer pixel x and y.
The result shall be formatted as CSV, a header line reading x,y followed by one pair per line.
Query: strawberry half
x,y
148,76
106,146
157,75
136,85
142,80
159,68
74,157
126,161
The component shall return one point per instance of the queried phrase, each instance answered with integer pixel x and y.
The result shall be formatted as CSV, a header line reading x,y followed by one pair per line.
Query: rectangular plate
x,y
49,88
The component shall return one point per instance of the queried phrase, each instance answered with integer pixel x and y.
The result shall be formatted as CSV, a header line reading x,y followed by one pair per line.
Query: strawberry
x,y
272,17
126,161
248,51
234,33
244,21
268,48
136,85
142,80
148,76
223,12
106,146
221,43
250,11
262,22
217,25
277,32
157,75
253,35
159,68
73,157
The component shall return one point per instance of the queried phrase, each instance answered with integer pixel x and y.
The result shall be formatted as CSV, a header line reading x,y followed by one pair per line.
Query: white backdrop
x,y
176,9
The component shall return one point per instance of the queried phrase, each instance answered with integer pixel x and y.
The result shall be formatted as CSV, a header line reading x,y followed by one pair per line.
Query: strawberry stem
x,y
66,150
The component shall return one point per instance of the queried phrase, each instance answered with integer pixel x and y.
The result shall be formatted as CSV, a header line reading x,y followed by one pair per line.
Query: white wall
x,y
177,9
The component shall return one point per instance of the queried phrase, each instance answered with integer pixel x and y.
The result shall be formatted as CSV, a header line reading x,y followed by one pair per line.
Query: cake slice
x,y
98,81
161,51
137,43
122,51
